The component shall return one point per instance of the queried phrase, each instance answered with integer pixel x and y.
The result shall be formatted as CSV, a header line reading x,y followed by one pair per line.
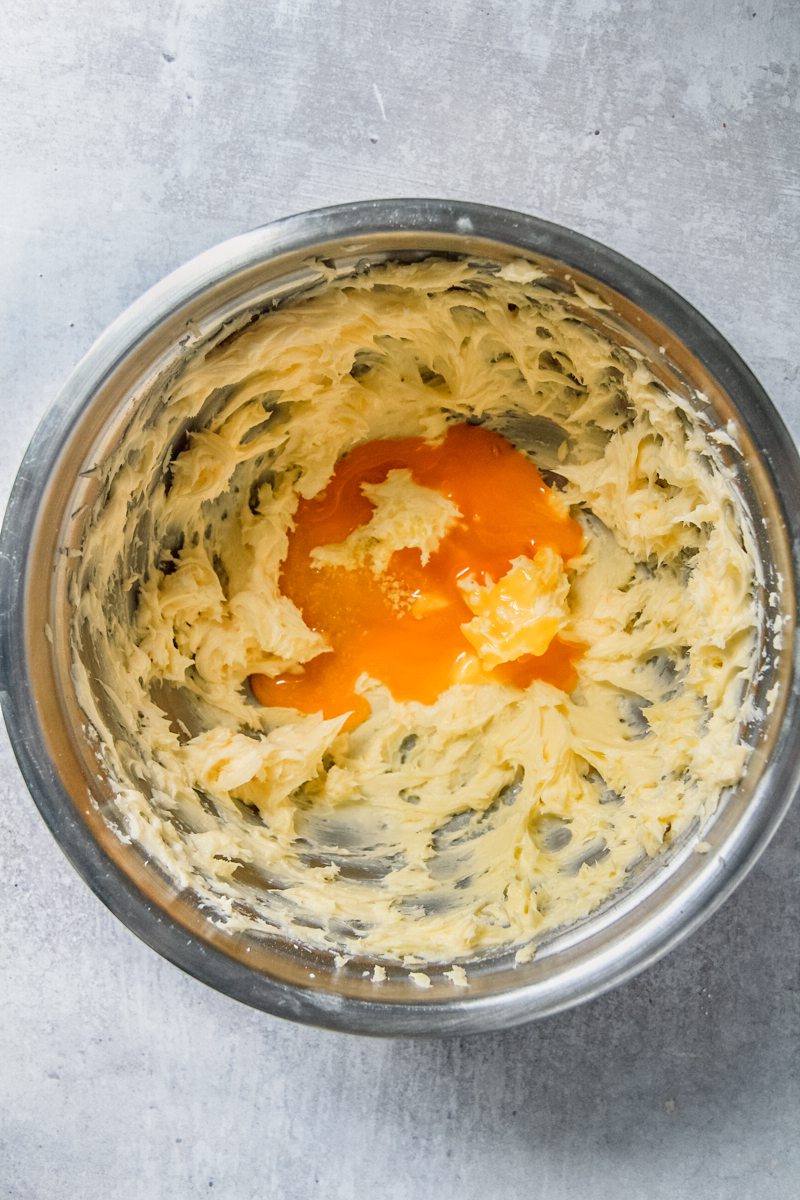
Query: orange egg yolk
x,y
402,627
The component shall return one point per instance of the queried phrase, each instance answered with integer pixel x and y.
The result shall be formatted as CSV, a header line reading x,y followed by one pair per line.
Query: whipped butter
x,y
496,814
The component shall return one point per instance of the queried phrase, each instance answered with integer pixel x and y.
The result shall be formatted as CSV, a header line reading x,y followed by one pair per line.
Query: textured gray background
x,y
135,134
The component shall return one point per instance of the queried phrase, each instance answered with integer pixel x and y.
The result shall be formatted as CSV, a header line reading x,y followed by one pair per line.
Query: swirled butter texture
x,y
396,812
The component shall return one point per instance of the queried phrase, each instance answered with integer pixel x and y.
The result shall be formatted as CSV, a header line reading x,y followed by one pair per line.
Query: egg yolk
x,y
402,625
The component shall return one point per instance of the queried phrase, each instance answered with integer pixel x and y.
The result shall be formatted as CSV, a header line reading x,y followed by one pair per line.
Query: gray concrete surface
x,y
133,135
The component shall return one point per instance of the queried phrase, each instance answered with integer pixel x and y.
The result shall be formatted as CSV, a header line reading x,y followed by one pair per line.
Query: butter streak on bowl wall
x,y
219,294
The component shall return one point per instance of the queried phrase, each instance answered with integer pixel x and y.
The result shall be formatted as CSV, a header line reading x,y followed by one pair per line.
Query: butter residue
x,y
457,976
485,820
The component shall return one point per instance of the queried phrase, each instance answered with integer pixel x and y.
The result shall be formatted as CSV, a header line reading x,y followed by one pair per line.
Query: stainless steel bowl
x,y
42,532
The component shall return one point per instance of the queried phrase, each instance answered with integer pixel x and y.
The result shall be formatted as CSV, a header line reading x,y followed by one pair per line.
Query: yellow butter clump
x,y
406,516
521,613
